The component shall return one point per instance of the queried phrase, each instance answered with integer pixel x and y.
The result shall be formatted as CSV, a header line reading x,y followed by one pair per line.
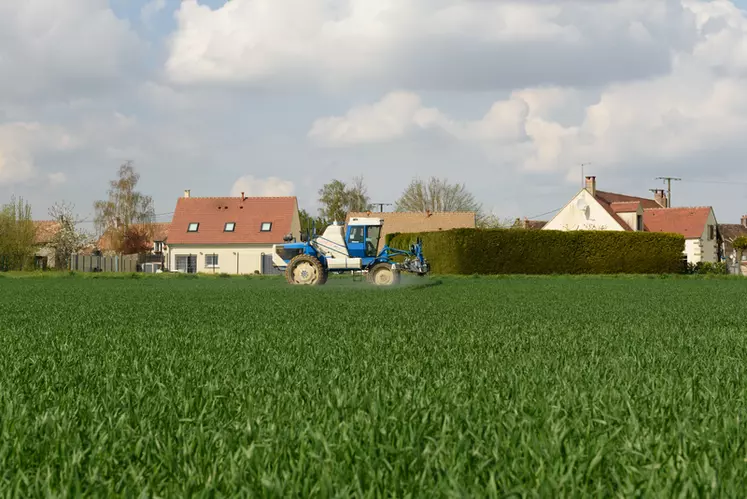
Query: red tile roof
x,y
690,222
625,207
213,213
613,197
45,230
608,208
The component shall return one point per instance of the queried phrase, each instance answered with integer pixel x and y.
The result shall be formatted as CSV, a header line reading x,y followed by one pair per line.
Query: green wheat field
x,y
444,387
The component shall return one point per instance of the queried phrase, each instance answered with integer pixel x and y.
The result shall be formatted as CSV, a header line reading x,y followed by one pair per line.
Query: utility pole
x,y
668,181
381,206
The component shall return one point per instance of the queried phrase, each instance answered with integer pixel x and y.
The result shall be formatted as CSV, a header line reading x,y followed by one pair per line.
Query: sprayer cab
x,y
352,248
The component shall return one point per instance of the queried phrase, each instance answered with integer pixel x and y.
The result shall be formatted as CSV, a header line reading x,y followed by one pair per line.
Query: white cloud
x,y
57,178
62,48
699,106
271,186
451,44
21,142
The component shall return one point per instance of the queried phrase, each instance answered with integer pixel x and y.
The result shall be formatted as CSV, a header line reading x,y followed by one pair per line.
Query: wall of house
x,y
232,259
49,253
693,250
709,248
594,218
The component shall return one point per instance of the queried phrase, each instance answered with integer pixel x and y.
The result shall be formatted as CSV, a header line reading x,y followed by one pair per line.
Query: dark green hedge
x,y
518,251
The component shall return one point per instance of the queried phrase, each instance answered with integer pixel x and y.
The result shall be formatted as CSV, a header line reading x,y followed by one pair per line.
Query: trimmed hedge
x,y
519,251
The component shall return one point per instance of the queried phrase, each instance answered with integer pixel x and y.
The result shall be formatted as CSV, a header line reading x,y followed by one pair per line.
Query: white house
x,y
231,235
591,209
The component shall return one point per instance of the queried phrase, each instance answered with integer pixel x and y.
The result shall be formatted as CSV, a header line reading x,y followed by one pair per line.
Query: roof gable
x,y
248,214
603,206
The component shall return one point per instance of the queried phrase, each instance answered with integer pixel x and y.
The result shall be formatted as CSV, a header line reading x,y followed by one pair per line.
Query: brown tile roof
x,y
625,206
730,232
613,197
45,231
608,208
409,222
690,222
213,213
158,232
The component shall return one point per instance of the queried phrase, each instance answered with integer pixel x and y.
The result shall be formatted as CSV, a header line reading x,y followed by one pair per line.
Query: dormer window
x,y
266,226
193,227
229,227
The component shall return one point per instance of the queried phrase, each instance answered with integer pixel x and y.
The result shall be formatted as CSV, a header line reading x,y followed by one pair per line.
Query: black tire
x,y
382,274
312,271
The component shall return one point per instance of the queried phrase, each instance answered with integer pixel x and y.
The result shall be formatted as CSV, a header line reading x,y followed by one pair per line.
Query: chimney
x,y
591,185
242,196
186,193
661,198
744,221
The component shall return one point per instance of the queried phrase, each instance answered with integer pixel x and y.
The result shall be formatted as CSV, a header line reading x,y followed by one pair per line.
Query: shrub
x,y
707,268
519,251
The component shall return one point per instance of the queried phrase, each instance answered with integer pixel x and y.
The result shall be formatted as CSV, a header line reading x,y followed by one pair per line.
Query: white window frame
x,y
214,265
196,226
233,227
262,227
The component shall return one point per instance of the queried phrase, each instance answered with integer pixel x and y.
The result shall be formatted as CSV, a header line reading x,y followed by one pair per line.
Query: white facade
x,y
228,259
705,248
583,213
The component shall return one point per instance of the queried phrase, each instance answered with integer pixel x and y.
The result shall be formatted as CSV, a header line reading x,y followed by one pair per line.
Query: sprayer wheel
x,y
305,270
382,274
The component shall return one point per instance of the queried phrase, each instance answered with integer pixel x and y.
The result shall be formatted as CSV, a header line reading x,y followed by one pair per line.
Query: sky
x,y
278,97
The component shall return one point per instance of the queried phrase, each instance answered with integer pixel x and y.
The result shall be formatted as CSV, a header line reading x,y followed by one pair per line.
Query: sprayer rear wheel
x,y
305,270
382,274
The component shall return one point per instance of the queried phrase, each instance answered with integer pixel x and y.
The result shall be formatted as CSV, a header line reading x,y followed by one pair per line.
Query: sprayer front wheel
x,y
305,270
382,274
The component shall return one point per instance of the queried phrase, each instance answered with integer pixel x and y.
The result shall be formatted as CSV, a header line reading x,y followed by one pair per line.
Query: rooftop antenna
x,y
583,177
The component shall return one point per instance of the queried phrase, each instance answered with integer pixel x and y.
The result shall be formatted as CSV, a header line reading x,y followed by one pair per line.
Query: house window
x,y
158,246
711,232
211,261
266,226
229,227
193,227
639,221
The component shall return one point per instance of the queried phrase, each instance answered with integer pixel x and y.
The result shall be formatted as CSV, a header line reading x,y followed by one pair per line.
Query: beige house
x,y
591,209
232,235
44,233
410,222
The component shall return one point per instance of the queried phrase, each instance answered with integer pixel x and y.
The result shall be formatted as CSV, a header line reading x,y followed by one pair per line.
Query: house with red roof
x,y
231,235
592,209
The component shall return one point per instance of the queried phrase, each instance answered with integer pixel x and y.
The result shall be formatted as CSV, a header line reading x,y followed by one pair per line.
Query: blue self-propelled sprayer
x,y
351,249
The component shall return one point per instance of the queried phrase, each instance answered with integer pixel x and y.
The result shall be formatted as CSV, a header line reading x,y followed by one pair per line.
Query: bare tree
x,y
436,195
124,209
67,239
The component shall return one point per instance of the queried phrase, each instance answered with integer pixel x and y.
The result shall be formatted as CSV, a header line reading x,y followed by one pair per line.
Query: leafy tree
x,y
17,235
436,195
338,199
123,216
308,222
740,244
68,239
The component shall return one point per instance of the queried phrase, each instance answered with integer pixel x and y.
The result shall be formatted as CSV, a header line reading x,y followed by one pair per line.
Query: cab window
x,y
356,235
372,240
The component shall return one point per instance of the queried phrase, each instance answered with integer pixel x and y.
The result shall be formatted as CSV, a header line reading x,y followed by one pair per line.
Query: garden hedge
x,y
519,251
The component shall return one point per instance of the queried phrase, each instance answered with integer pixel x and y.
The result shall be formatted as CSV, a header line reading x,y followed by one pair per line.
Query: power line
x,y
668,180
543,214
